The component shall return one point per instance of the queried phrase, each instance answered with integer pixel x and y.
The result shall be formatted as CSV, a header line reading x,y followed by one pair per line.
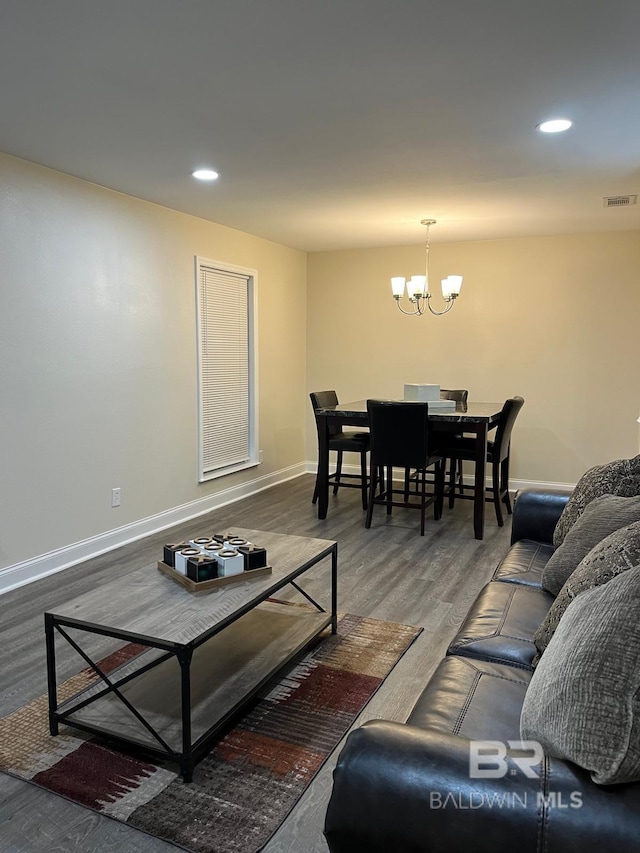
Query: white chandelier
x,y
418,286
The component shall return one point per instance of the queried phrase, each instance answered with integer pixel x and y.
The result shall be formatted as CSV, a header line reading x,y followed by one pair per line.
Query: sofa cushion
x,y
524,563
600,518
621,477
583,702
501,623
615,554
473,698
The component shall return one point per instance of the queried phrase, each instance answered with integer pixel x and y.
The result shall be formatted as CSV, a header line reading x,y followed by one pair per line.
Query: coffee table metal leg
x,y
186,762
334,589
51,673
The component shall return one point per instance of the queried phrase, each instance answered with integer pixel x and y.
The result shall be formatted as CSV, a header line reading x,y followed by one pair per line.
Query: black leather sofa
x,y
404,788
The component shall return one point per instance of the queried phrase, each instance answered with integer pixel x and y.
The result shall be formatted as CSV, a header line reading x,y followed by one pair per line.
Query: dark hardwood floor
x,y
388,572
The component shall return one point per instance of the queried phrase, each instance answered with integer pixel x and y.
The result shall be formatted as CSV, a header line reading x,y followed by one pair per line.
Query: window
x,y
227,393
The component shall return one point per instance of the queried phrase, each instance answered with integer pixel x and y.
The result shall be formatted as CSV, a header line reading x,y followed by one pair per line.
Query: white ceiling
x,y
336,123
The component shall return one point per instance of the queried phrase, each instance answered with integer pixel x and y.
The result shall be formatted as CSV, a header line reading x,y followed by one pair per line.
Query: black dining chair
x,y
340,441
460,396
401,437
498,456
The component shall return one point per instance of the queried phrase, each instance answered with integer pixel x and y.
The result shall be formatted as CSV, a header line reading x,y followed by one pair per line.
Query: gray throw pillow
x,y
617,553
600,518
621,477
583,702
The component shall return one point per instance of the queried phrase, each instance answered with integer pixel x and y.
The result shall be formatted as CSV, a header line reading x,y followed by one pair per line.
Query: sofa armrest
x,y
536,513
399,787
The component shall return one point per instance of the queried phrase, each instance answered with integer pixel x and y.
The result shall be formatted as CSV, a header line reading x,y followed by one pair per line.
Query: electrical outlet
x,y
115,497
260,456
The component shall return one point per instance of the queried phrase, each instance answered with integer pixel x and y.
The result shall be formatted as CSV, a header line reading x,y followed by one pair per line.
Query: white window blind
x,y
226,372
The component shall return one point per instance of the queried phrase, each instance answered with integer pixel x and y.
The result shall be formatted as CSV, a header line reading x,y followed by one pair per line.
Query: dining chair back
x,y
324,400
459,395
498,456
502,443
342,442
401,437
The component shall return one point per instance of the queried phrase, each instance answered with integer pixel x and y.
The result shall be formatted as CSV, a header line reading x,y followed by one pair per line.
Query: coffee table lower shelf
x,y
224,672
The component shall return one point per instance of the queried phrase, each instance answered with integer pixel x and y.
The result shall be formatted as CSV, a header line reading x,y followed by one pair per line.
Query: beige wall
x,y
554,319
98,354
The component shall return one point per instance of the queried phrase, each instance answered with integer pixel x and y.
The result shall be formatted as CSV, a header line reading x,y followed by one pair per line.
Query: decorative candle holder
x,y
212,549
223,537
202,568
254,557
169,552
200,542
230,562
181,557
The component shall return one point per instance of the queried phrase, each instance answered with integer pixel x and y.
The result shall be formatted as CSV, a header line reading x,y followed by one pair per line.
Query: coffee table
x,y
205,655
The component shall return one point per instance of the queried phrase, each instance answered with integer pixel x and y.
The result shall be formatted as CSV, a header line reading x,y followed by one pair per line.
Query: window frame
x,y
252,356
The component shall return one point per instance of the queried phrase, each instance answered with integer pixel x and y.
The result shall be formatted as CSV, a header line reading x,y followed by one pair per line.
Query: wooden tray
x,y
214,583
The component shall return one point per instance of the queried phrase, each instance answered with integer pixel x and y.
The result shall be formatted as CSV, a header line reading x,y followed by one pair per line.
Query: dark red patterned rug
x,y
253,776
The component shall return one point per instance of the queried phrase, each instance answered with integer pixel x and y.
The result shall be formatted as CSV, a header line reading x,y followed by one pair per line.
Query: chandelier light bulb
x,y
397,285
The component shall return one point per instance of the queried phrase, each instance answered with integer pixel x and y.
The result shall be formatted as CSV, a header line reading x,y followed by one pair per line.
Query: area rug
x,y
253,776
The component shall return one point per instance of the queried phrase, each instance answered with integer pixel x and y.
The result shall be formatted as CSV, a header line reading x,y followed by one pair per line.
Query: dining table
x,y
477,419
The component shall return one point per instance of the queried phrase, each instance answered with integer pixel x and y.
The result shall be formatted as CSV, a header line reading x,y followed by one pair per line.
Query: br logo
x,y
488,758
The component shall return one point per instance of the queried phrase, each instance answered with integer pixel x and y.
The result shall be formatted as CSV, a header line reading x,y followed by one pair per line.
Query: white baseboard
x,y
19,574
539,484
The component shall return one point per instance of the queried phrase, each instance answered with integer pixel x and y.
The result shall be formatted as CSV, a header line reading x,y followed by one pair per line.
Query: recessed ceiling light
x,y
556,125
205,174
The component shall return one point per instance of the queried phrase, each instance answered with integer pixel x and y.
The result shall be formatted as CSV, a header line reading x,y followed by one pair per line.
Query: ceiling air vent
x,y
620,200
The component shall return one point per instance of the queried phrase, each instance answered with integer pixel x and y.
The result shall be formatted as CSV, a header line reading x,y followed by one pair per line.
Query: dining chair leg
x,y
389,489
372,492
336,482
422,475
452,481
504,484
364,479
495,469
439,487
314,499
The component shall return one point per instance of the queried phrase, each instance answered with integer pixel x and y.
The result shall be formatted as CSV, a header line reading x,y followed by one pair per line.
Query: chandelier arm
x,y
440,313
419,309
